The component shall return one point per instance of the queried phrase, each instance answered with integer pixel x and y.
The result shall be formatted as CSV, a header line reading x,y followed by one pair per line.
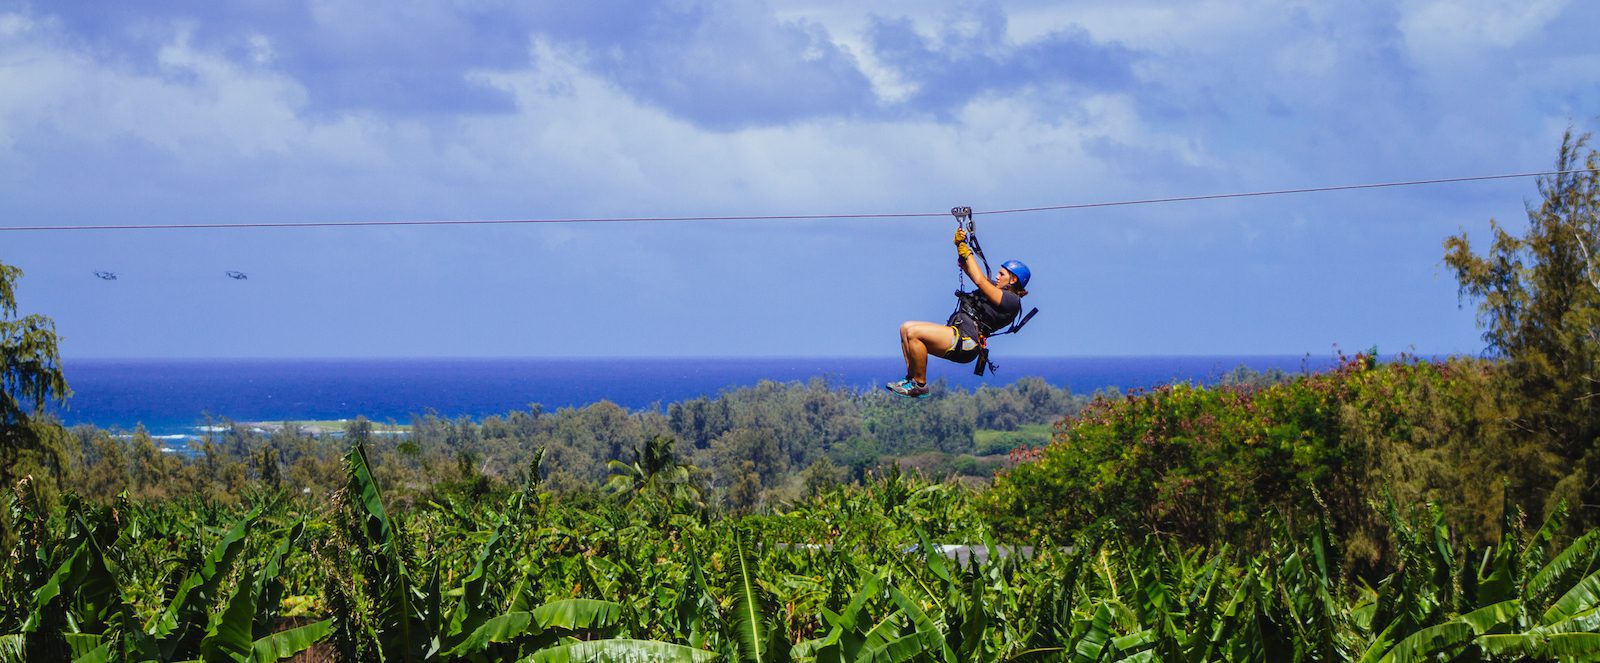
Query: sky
x,y
335,110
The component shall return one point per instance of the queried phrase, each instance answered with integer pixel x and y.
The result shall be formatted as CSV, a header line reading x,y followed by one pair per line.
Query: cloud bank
x,y
328,110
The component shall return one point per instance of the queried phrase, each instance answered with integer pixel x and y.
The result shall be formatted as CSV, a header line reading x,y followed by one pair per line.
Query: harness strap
x,y
964,219
1017,326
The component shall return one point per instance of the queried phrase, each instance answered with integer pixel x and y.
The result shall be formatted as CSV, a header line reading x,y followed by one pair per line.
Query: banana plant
x,y
82,614
1522,607
760,639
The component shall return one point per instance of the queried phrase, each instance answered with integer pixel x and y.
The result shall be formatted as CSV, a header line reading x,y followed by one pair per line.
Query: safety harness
x,y
967,302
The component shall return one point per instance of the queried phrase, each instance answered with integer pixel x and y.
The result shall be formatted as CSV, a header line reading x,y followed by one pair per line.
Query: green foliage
x,y
856,572
30,363
1368,514
748,449
987,442
1539,305
30,380
1203,464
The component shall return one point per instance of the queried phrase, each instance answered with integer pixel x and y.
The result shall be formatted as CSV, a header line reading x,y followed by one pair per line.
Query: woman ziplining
x,y
993,304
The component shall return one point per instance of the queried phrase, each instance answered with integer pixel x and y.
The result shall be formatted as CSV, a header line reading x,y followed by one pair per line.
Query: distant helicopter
x,y
237,276
108,276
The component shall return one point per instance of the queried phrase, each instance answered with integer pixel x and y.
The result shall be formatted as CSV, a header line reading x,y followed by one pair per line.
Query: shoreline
x,y
314,427
181,398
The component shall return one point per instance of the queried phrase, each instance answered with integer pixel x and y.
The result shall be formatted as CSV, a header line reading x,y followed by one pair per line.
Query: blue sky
x,y
330,110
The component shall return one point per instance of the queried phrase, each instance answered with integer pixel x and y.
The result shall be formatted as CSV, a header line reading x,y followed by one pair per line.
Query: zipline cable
x,y
784,217
1281,192
471,222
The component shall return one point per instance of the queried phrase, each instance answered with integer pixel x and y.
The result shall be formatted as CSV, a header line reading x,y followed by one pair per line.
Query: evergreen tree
x,y
30,380
1540,310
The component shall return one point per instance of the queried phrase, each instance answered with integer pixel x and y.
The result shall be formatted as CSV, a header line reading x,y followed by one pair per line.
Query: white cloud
x,y
574,131
1161,26
1230,96
13,24
204,99
196,104
571,123
887,84
1443,29
261,52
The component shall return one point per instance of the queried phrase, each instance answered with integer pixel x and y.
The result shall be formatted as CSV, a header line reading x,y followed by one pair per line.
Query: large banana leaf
x,y
402,616
1093,643
1563,646
974,624
190,608
1583,622
363,489
228,638
13,648
696,610
1146,656
1500,582
1585,595
268,586
933,556
886,631
100,654
1579,556
286,644
81,592
621,651
97,598
847,638
933,638
565,615
471,610
500,629
1380,646
1498,617
1429,643
1133,641
577,614
401,624
44,598
898,650
752,629
1226,622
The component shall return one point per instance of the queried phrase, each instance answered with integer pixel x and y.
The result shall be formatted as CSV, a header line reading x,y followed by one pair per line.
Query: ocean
x,y
173,398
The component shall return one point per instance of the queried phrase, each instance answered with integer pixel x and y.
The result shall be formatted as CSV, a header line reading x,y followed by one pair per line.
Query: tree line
x,y
746,447
1469,435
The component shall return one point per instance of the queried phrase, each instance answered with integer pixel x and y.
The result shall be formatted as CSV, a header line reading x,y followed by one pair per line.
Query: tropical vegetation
x,y
860,572
1400,510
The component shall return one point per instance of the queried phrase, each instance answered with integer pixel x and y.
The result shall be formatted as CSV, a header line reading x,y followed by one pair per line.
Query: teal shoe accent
x,y
908,388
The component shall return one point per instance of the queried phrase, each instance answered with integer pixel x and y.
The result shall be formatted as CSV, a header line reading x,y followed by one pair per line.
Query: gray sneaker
x,y
908,388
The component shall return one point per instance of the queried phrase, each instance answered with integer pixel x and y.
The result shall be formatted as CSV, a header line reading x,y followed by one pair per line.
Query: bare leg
x,y
917,339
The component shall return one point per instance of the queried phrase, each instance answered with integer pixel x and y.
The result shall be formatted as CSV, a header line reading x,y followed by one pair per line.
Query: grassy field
x,y
990,442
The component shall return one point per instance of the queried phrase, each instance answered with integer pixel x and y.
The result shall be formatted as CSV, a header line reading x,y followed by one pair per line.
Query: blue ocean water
x,y
173,397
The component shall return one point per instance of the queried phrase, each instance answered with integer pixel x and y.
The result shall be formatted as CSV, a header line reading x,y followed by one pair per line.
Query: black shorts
x,y
964,349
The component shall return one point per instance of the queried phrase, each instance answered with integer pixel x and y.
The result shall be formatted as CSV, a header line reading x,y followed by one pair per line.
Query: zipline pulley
x,y
964,221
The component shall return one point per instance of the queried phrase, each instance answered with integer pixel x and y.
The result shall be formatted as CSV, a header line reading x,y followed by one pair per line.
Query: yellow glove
x,y
961,244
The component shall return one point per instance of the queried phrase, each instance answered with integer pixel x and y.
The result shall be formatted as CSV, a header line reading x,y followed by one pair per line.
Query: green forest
x,y
1395,510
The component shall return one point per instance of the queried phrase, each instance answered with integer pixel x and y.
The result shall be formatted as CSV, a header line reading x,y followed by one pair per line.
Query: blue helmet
x,y
1018,270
